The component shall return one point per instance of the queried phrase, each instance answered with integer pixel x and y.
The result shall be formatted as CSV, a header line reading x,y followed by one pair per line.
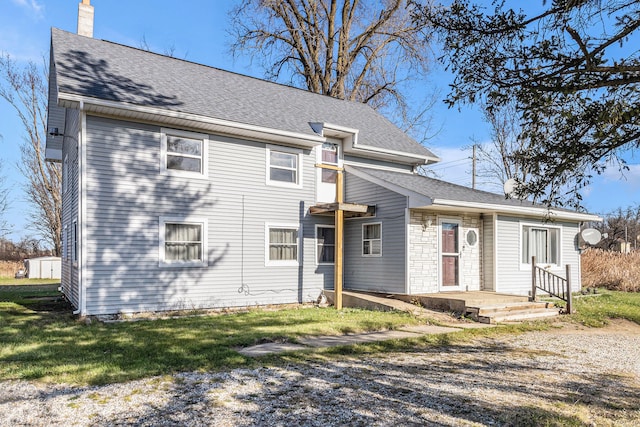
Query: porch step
x,y
512,312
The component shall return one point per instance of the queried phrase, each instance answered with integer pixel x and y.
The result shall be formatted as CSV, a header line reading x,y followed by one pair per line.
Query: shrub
x,y
612,270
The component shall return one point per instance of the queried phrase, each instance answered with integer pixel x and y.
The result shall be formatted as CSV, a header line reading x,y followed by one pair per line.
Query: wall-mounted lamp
x,y
54,132
426,222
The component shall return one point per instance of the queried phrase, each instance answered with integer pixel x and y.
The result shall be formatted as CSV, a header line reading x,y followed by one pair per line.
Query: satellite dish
x,y
510,186
591,236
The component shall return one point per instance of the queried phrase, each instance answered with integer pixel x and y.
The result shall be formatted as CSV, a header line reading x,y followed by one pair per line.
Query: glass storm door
x,y
450,255
328,154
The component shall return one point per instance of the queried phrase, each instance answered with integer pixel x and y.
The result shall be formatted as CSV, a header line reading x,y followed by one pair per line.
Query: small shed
x,y
46,267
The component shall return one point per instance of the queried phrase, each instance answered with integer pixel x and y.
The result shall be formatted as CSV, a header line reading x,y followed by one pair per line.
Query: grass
x,y
595,311
42,340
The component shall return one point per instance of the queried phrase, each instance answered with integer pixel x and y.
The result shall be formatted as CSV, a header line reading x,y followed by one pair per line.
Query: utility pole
x,y
473,168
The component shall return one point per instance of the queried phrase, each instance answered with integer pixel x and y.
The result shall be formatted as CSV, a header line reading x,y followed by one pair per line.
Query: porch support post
x,y
533,278
569,297
339,229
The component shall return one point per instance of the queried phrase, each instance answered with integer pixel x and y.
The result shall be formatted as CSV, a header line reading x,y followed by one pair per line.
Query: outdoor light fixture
x,y
55,132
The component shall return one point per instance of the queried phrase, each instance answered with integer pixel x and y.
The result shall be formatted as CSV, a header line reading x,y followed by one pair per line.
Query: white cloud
x,y
629,177
32,5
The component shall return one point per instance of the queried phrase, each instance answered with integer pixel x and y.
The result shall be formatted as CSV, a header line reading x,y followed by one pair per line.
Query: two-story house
x,y
186,186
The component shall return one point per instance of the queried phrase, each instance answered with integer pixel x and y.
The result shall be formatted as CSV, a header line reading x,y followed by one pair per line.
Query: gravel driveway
x,y
569,376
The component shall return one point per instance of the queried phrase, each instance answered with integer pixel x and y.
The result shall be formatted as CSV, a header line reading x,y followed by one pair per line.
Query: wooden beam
x,y
339,229
325,208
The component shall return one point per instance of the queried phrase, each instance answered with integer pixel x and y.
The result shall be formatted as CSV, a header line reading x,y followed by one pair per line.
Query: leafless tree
x,y
4,203
355,50
497,161
25,89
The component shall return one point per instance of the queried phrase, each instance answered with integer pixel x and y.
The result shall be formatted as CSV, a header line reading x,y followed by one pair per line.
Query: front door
x,y
450,255
329,153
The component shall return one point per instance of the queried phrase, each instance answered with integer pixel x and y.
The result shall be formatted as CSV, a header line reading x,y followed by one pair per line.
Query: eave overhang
x,y
187,121
352,145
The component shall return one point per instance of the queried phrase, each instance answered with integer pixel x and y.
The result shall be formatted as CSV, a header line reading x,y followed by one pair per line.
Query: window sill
x,y
183,264
282,264
184,174
283,184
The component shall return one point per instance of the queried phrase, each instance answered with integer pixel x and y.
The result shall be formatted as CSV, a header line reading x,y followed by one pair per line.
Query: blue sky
x,y
196,30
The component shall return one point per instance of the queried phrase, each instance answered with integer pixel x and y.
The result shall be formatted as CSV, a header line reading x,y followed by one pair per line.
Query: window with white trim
x,y
281,244
65,243
65,174
74,241
372,239
541,242
184,153
284,166
325,244
183,242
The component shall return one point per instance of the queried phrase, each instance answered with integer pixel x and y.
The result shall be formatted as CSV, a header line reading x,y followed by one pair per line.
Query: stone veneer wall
x,y
423,247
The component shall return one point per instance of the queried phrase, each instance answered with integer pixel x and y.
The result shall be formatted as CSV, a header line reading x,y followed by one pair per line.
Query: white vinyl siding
x,y
372,239
284,166
282,244
183,242
184,153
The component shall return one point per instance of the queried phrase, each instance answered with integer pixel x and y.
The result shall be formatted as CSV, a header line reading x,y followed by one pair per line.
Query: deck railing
x,y
551,283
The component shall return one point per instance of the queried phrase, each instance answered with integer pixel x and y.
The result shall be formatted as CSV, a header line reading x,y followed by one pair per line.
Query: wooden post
x,y
569,297
339,229
533,278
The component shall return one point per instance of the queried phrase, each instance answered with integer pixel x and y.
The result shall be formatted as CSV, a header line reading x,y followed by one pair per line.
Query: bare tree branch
x,y
351,50
24,88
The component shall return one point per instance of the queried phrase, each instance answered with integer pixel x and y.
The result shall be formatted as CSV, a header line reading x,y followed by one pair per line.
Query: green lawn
x,y
42,340
596,310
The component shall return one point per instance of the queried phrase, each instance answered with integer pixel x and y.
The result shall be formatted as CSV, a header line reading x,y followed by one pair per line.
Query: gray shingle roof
x,y
109,71
436,189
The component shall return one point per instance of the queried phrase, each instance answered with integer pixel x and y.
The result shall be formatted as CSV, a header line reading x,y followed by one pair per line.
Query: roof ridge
x,y
199,64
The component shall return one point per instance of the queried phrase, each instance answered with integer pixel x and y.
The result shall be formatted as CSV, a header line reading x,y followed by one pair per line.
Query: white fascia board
x,y
352,145
424,159
416,200
153,114
521,210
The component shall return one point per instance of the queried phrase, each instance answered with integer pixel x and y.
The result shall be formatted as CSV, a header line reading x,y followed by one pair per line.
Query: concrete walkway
x,y
349,339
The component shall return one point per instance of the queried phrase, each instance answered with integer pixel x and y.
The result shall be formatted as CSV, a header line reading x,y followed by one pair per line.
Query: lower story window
x,y
183,242
541,242
372,239
325,244
282,245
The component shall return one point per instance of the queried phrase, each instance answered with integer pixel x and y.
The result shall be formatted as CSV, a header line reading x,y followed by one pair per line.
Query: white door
x,y
450,254
329,153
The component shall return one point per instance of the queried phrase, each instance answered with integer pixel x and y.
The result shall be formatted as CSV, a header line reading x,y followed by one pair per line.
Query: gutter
x,y
522,210
189,120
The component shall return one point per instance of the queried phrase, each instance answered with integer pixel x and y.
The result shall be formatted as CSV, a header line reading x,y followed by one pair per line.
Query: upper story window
x,y
284,166
330,157
541,242
372,239
183,242
184,153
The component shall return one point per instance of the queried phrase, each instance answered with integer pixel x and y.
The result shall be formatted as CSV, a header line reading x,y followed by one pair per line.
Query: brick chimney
x,y
85,18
